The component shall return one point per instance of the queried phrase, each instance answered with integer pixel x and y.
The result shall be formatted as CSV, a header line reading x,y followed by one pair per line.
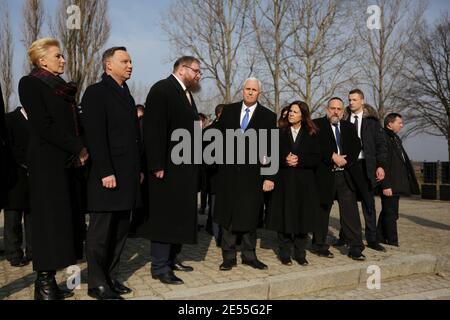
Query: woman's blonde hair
x,y
39,49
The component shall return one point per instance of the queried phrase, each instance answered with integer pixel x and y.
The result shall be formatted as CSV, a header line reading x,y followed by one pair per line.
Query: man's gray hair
x,y
254,79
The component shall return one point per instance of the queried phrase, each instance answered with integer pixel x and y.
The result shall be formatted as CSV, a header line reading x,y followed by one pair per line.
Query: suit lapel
x,y
255,117
124,102
183,97
329,131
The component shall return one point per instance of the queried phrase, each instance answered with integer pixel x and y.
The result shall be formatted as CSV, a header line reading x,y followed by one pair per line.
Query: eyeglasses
x,y
197,71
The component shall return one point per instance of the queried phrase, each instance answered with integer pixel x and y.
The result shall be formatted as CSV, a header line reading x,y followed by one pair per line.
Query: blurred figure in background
x,y
18,204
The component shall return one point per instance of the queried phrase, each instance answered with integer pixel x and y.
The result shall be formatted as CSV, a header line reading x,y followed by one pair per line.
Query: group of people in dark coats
x,y
320,161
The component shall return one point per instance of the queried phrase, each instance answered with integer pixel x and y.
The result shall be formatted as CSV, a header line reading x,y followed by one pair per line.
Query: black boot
x,y
62,293
45,287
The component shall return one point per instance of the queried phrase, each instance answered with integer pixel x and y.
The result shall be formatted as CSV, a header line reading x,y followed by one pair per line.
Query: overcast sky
x,y
136,25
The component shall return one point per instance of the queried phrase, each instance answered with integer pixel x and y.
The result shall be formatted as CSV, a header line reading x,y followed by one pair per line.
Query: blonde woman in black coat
x,y
55,146
294,207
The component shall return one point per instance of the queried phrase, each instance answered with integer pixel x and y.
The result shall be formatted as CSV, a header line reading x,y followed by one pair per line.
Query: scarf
x,y
62,89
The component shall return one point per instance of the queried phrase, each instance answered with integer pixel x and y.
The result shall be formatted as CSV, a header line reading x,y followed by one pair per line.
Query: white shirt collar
x,y
252,108
180,82
359,114
22,110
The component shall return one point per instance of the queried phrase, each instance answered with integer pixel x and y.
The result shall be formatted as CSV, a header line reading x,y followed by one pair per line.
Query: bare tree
x,y
383,53
320,51
427,97
6,53
33,19
83,45
213,31
139,91
273,30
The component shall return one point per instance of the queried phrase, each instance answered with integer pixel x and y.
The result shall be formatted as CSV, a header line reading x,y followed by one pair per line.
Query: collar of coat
x,y
369,112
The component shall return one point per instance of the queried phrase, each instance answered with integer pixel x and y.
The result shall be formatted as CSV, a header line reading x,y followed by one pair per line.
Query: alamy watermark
x,y
74,280
374,21
241,148
74,18
374,280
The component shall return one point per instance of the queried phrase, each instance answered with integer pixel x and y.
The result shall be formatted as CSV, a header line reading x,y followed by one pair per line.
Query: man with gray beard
x,y
339,178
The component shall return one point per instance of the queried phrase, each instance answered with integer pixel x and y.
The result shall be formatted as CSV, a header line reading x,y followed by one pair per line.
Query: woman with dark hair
x,y
55,147
283,121
295,200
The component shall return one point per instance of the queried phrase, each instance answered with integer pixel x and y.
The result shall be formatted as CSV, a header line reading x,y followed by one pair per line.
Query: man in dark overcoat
x,y
241,187
339,178
113,188
371,160
173,186
18,204
400,181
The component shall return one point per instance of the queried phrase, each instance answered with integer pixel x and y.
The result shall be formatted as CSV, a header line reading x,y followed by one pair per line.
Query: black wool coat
x,y
400,175
18,133
240,195
172,216
52,143
351,146
373,143
295,205
111,128
3,154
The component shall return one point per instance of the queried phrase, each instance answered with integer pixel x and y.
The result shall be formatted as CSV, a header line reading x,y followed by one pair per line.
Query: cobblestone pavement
x,y
424,227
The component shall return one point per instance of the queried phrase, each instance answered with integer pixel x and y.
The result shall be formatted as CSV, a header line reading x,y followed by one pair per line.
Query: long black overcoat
x,y
52,143
294,206
172,216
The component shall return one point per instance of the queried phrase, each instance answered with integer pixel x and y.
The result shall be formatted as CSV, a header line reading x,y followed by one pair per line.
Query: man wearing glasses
x,y
172,188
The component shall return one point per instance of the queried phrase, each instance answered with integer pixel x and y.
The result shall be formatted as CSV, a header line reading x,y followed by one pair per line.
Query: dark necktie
x,y
338,137
357,124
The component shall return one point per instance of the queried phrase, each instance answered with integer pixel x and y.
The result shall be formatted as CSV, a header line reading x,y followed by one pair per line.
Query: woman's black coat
x,y
52,143
294,206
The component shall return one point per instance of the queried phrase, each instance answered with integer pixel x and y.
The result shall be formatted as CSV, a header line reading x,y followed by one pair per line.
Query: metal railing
x,y
434,179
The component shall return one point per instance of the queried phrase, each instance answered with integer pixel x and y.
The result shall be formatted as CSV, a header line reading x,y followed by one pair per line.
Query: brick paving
x,y
424,227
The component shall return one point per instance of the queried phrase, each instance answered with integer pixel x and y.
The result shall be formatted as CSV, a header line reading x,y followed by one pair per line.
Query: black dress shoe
x,y
376,246
227,265
325,254
169,278
393,244
357,256
119,288
302,261
64,294
255,264
45,288
180,267
103,293
19,263
286,261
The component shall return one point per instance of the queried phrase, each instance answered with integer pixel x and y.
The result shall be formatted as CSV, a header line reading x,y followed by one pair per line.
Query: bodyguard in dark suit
x,y
18,204
295,206
241,187
400,181
112,134
371,160
173,188
339,178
